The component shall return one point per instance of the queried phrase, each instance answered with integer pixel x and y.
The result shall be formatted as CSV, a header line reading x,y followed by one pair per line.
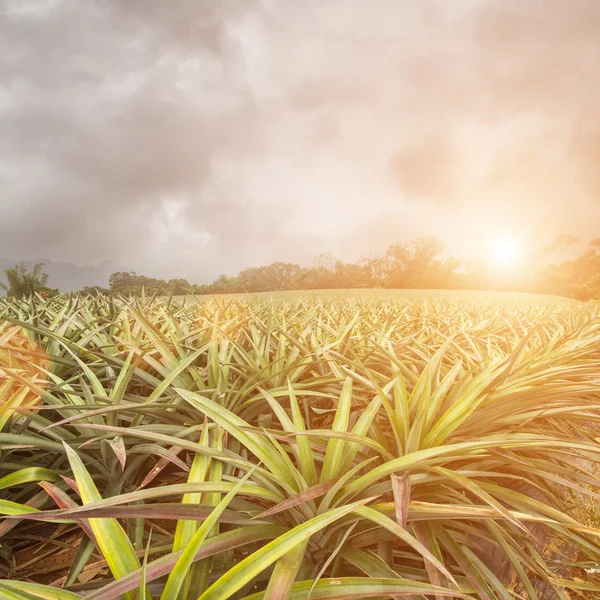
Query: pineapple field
x,y
344,445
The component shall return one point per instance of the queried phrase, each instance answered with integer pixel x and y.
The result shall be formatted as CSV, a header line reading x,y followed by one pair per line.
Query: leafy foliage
x,y
416,265
21,282
420,445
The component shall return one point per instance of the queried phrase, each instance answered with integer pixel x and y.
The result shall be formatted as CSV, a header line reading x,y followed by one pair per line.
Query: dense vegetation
x,y
432,445
20,282
416,265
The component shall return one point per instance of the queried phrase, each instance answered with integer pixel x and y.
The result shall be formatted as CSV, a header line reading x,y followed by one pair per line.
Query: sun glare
x,y
505,253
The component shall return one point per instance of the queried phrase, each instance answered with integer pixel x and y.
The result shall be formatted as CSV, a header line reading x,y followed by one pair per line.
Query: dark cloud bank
x,y
190,138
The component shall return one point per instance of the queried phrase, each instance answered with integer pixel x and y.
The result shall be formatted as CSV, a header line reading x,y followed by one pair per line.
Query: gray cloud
x,y
427,169
195,137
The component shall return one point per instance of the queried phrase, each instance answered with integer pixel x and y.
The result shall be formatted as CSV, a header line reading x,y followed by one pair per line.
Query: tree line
x,y
414,265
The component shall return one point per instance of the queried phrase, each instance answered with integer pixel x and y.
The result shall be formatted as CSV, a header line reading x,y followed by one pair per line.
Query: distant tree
x,y
93,290
273,277
376,268
425,250
200,289
280,275
394,266
222,285
21,282
579,278
252,279
121,280
351,275
179,287
325,260
416,264
132,284
314,278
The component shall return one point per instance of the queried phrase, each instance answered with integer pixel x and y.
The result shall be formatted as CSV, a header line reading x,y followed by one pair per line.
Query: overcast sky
x,y
194,137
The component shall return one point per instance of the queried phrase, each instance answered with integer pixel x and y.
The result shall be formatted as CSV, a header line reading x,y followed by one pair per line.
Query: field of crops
x,y
419,445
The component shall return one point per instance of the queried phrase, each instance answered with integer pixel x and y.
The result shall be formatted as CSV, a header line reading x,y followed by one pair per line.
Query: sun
x,y
505,252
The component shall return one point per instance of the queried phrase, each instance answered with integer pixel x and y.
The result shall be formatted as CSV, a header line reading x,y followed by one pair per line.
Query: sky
x,y
195,137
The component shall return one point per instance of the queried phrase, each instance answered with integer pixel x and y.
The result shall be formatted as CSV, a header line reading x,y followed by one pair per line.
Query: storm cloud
x,y
196,137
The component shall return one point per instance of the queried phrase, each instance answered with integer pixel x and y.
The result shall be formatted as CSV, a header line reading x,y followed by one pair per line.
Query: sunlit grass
x,y
333,445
